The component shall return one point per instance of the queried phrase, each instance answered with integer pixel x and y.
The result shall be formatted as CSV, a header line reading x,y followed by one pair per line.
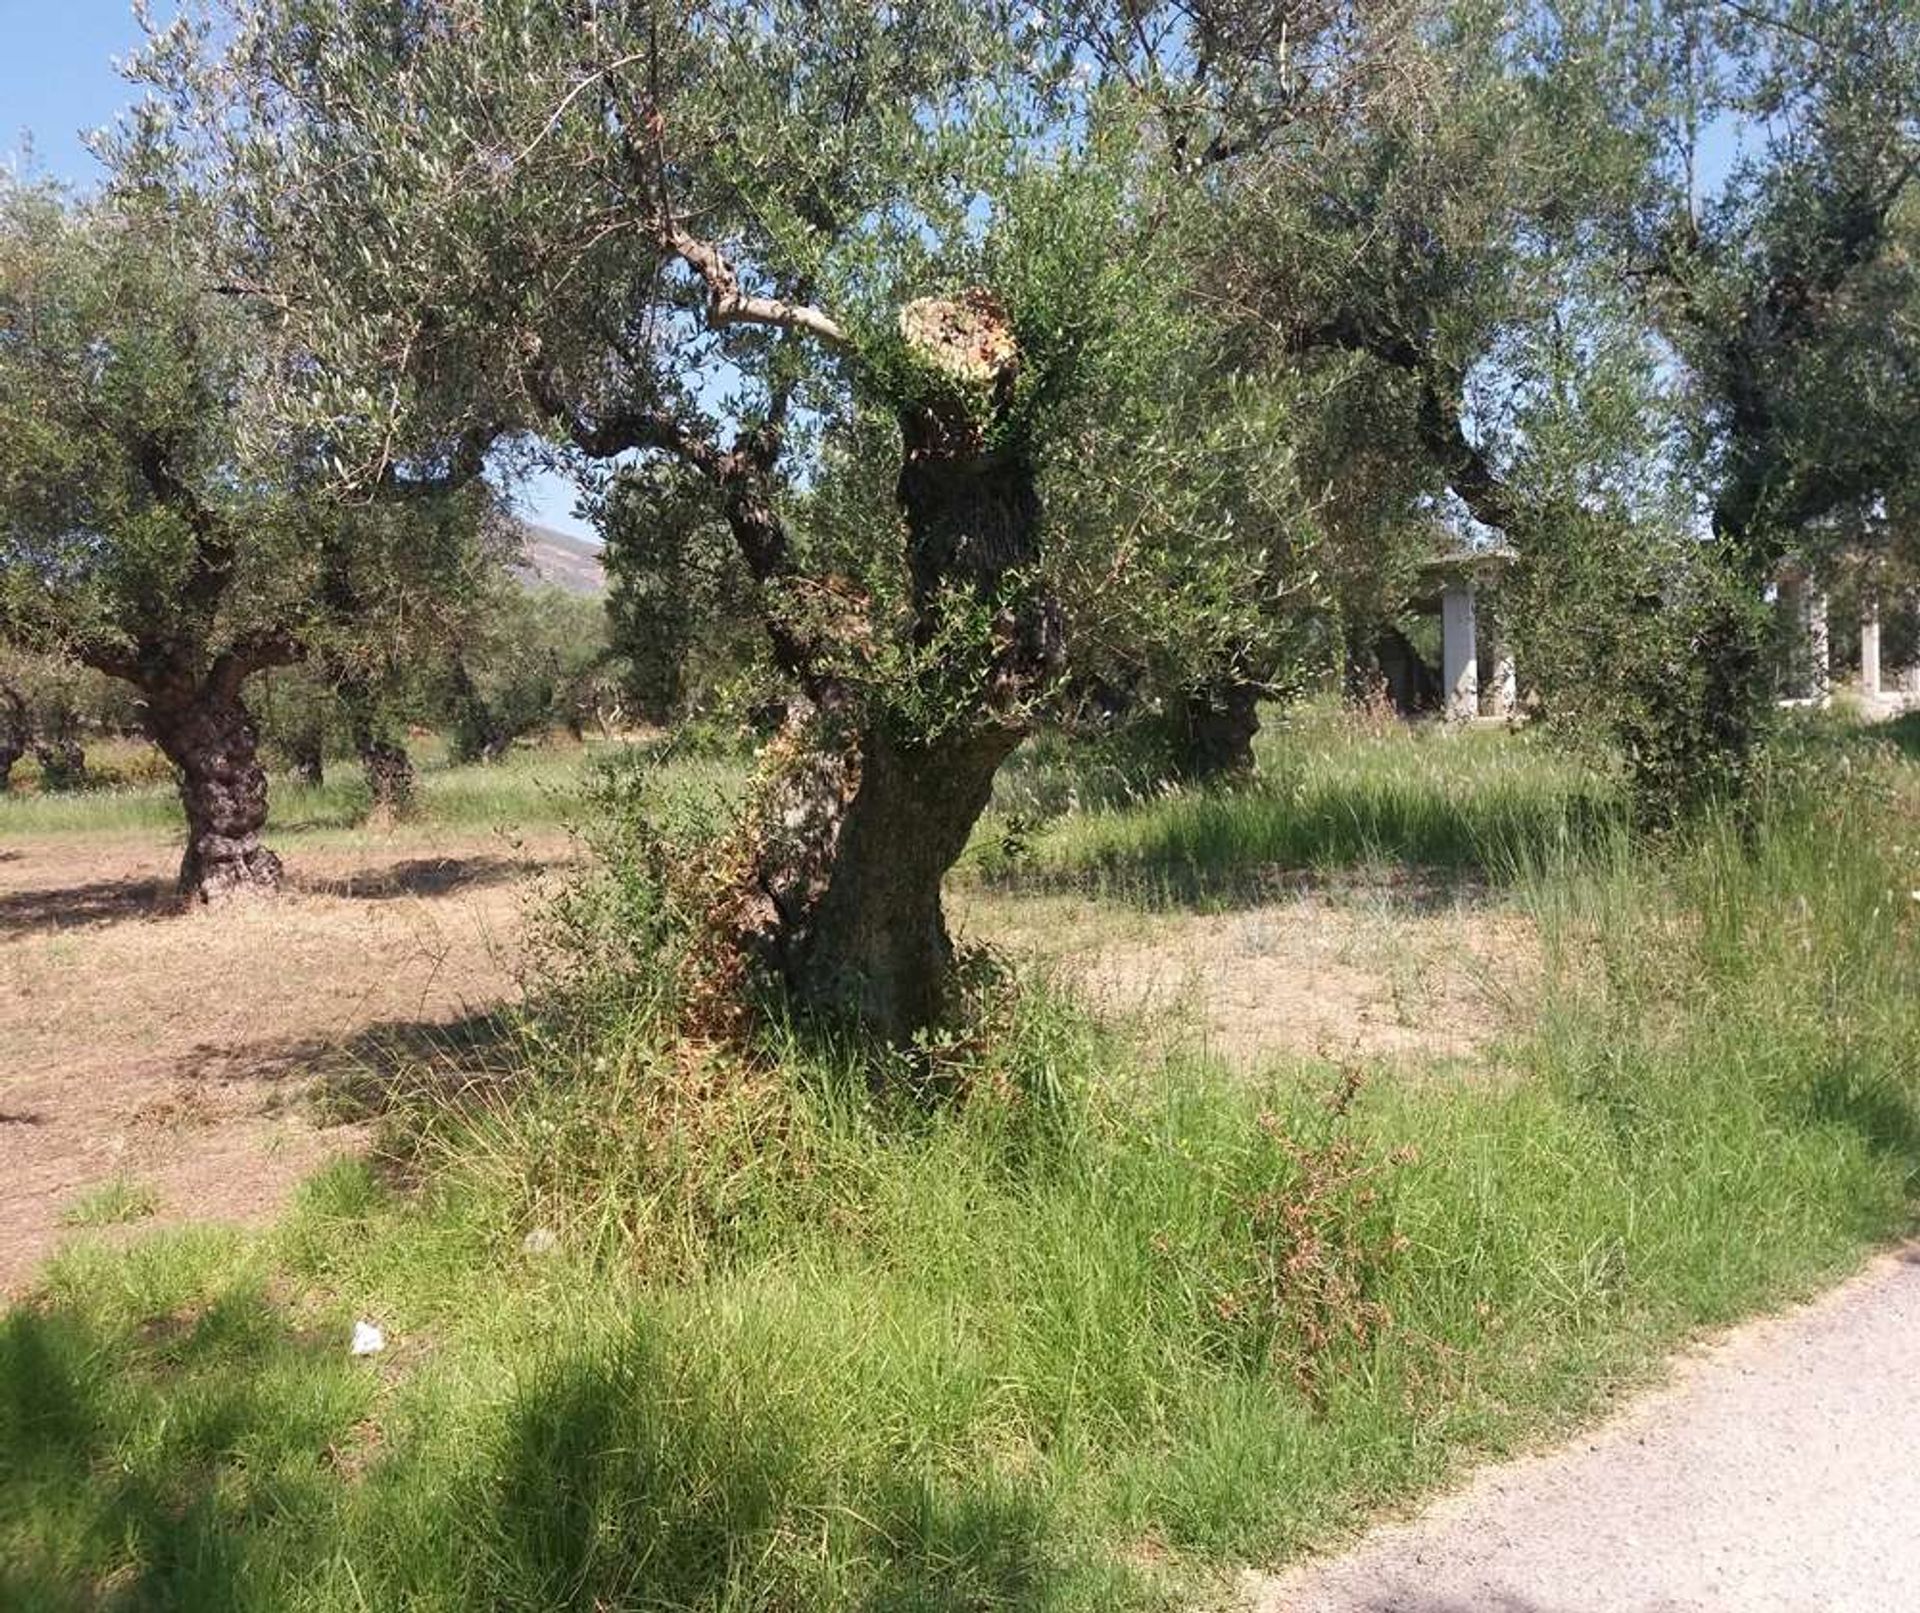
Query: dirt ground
x,y
184,1051
194,1054
1396,975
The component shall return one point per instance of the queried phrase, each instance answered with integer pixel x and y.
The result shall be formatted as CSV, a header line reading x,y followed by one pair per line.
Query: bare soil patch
x,y
177,1048
180,1050
1346,975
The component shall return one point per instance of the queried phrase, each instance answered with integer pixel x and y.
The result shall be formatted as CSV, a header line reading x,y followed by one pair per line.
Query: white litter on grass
x,y
540,1241
367,1340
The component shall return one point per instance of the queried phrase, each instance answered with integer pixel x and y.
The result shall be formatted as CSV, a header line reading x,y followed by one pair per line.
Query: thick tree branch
x,y
624,429
742,476
122,664
727,304
1463,463
254,653
464,463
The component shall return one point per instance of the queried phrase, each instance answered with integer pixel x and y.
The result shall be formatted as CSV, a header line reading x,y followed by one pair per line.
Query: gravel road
x,y
1778,1473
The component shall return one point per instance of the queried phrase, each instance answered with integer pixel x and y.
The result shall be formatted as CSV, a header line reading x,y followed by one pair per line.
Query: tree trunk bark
x,y
206,732
862,931
1216,729
876,945
16,732
390,776
310,760
383,759
63,763
477,733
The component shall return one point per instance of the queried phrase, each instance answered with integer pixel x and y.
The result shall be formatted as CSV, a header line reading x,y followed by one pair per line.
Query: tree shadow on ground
x,y
147,1455
225,1453
631,1474
1902,732
419,876
1175,887
67,907
113,901
379,1068
396,1064
1885,1117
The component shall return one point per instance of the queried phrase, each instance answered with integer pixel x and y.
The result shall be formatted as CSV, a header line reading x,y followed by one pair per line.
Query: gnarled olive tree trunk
x,y
871,938
1214,730
390,776
203,727
308,753
384,760
877,945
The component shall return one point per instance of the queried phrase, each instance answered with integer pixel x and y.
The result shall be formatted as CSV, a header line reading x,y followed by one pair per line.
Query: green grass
x,y
531,787
1330,796
112,1203
1079,1341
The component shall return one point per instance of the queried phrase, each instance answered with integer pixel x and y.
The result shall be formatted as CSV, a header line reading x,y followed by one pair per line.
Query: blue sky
x,y
57,81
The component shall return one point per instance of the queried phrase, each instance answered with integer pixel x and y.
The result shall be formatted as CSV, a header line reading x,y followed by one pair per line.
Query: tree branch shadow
x,y
218,1453
1231,849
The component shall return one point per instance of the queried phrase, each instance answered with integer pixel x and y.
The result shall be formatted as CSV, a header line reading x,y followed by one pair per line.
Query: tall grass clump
x,y
1029,1319
1334,793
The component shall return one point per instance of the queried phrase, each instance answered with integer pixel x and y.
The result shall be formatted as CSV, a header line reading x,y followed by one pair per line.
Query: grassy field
x,y
1085,1325
531,786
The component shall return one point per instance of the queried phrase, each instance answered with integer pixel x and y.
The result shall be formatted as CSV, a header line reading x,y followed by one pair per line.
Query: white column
x,y
1459,662
1819,655
1870,647
1506,676
1792,608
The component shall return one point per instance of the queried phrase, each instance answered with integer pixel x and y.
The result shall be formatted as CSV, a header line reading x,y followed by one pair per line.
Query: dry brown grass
x,y
179,1048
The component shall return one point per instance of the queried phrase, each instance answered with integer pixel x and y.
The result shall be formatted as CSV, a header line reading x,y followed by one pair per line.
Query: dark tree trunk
x,y
390,777
16,732
206,732
1413,685
383,759
63,762
876,946
309,754
872,941
1215,729
478,735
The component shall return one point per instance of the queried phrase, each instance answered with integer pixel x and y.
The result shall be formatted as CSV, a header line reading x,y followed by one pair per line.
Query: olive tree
x,y
746,239
1230,92
1791,298
158,522
138,539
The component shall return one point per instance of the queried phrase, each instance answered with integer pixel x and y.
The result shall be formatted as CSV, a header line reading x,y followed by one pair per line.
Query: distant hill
x,y
560,560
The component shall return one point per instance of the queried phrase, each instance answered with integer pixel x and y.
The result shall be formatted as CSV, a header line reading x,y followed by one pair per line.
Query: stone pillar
x,y
1504,696
1792,615
1870,647
1819,653
1459,654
